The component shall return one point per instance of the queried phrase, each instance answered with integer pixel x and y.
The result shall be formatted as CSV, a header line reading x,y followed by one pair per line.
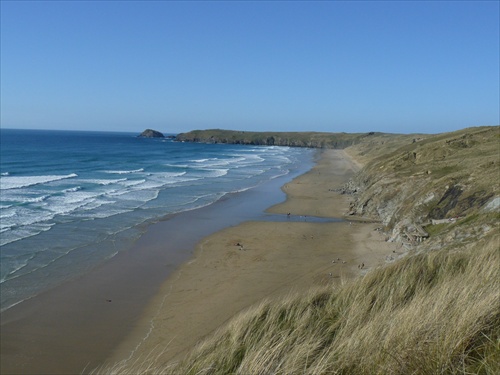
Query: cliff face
x,y
449,180
290,139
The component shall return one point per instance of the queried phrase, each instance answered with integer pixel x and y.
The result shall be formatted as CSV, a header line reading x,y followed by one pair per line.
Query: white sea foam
x,y
250,158
99,209
96,203
103,182
137,195
198,202
35,199
171,165
213,173
19,222
103,213
24,216
15,196
64,205
166,178
129,183
202,160
6,226
23,232
155,181
6,214
148,185
126,172
14,182
4,174
283,173
131,200
224,162
72,190
170,174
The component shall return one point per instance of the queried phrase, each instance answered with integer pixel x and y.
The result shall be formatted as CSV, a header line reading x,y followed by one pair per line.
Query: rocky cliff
x,y
445,184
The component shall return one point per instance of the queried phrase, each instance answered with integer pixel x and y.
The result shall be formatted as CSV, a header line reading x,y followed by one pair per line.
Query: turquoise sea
x,y
70,200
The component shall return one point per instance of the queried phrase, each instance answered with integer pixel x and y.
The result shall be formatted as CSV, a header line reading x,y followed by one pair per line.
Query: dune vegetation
x,y
435,310
431,313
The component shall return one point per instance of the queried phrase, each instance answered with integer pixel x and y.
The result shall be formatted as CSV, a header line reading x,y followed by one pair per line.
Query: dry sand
x,y
241,265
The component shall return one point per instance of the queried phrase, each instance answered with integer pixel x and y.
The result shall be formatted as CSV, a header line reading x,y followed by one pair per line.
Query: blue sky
x,y
395,66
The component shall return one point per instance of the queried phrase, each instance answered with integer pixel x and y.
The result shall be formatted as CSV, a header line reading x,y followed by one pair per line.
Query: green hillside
x,y
292,139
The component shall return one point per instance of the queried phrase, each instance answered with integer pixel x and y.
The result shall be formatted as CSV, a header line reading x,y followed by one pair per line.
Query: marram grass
x,y
432,313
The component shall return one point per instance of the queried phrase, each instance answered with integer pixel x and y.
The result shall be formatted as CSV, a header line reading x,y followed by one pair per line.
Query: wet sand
x,y
243,264
79,324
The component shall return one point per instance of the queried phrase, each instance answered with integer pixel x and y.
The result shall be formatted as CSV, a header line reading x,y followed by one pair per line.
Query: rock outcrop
x,y
439,180
150,133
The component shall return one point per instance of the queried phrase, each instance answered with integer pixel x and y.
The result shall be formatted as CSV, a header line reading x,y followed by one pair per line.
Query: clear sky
x,y
395,66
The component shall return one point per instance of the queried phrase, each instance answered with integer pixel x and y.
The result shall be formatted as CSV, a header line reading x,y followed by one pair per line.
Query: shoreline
x,y
75,327
243,264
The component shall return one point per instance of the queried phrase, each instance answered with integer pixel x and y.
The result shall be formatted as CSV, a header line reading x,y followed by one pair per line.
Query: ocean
x,y
70,200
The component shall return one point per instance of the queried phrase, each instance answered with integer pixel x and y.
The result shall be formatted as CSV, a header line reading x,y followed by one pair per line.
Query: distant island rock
x,y
150,133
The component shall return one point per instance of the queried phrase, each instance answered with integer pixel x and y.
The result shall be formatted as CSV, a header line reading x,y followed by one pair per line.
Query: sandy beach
x,y
191,272
78,325
243,264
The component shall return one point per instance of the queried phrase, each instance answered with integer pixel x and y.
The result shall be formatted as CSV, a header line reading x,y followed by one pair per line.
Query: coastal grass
x,y
434,311
446,176
428,313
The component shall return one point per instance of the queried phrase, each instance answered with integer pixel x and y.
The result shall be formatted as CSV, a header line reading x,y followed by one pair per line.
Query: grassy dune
x,y
434,311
